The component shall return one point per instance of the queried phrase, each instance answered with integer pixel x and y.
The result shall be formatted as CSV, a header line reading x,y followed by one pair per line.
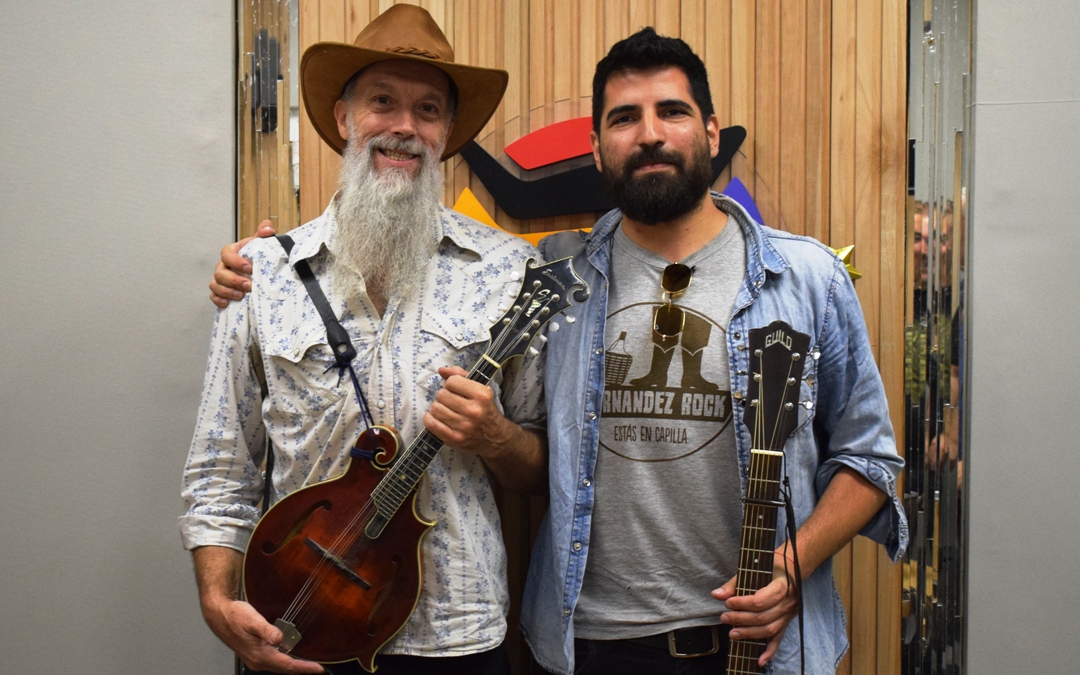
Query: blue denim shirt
x,y
846,423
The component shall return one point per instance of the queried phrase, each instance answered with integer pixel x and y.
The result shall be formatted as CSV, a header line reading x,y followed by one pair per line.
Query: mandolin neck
x,y
409,466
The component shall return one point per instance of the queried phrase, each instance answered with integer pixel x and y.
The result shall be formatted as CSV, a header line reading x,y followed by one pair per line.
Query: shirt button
x,y
459,337
577,545
380,404
566,612
592,415
599,350
586,482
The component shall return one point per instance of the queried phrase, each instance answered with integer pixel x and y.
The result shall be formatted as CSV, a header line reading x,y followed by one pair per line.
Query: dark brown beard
x,y
659,197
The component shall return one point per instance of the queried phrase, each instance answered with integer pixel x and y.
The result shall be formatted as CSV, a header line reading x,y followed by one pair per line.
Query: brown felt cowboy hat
x,y
401,32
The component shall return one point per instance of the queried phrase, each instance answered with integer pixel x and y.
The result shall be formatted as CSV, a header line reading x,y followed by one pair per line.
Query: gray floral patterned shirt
x,y
312,416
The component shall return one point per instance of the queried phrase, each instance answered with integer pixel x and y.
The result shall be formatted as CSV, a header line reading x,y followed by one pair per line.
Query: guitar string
x,y
352,531
738,649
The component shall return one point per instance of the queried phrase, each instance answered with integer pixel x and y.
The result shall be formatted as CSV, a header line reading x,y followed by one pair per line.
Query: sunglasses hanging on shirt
x,y
668,320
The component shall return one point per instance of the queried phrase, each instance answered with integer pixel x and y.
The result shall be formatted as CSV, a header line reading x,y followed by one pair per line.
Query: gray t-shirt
x,y
667,516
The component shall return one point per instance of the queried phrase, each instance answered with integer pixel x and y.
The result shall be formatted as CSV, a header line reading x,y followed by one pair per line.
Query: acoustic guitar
x,y
777,357
336,565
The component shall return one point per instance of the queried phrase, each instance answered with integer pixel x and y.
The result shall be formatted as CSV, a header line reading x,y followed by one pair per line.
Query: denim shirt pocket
x,y
300,365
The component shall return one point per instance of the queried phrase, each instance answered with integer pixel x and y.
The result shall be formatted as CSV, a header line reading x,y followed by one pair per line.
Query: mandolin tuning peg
x,y
543,339
492,319
534,351
570,319
502,308
554,326
809,405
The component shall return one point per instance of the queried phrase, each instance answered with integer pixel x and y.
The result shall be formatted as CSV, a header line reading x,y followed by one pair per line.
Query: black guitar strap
x,y
336,336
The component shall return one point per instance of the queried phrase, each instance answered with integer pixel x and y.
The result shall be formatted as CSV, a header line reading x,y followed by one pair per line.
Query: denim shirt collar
x,y
761,256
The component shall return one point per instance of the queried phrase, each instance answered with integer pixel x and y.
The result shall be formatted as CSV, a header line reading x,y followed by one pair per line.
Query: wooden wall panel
x,y
819,86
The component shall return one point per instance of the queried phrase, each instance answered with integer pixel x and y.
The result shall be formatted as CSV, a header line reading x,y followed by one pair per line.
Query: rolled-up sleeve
x,y
222,483
853,414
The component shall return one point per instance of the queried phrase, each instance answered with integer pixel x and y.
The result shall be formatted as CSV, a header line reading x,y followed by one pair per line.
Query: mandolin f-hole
x,y
270,548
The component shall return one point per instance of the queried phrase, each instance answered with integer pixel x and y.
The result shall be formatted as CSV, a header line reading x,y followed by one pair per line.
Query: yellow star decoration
x,y
845,257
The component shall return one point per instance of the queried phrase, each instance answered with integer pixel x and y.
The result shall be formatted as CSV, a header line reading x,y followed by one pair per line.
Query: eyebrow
x,y
631,107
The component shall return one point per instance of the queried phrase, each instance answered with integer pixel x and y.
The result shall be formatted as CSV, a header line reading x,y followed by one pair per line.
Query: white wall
x,y
1024,583
116,191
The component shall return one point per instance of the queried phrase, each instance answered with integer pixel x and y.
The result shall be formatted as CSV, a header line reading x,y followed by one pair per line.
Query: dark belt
x,y
685,643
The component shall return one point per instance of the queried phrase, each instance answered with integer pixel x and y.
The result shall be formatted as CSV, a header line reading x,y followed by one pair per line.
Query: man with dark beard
x,y
411,283
634,565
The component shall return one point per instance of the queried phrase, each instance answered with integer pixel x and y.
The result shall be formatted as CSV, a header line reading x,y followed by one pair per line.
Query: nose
x,y
403,124
652,131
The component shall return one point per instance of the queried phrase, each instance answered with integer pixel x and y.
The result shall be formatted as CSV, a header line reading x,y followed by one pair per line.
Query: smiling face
x,y
653,148
402,104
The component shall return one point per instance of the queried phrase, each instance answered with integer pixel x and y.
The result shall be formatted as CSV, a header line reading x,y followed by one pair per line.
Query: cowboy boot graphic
x,y
694,339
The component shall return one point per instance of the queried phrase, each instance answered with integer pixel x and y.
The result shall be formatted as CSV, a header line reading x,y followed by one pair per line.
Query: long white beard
x,y
386,221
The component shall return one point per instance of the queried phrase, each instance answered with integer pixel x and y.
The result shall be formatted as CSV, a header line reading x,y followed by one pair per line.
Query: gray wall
x,y
116,191
1024,584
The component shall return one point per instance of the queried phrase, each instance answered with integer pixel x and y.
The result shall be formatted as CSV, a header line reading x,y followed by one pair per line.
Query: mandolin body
x,y
347,586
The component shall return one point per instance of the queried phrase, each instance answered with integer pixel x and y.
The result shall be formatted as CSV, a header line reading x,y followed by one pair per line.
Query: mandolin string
x,y
360,521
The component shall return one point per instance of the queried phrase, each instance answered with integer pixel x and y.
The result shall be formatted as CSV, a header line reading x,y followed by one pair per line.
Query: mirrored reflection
x,y
267,114
934,568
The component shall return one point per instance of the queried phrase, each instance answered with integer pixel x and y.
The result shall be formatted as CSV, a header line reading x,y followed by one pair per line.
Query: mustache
x,y
389,142
653,154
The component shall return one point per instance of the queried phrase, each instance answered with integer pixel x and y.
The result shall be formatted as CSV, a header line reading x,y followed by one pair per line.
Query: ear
x,y
594,140
712,131
341,114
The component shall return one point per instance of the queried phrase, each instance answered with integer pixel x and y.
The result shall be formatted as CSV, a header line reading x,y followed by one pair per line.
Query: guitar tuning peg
x,y
570,319
554,326
534,351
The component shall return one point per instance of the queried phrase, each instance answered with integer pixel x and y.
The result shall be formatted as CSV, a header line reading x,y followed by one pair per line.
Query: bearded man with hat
x,y
411,283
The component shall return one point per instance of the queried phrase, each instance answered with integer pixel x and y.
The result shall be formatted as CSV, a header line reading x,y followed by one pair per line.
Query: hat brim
x,y
327,66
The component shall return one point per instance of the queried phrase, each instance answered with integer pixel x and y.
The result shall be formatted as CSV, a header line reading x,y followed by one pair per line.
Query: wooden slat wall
x,y
820,87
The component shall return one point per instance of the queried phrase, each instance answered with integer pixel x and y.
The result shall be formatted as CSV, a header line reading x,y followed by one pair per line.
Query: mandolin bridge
x,y
340,564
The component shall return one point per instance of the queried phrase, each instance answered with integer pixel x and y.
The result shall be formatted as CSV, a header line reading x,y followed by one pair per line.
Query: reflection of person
x,y
648,454
409,279
639,534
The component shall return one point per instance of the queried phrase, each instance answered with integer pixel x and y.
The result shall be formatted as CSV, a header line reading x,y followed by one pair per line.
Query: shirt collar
x,y
761,256
310,240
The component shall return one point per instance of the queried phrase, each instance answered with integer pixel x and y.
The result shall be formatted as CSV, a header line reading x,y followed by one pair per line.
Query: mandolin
x,y
336,565
777,356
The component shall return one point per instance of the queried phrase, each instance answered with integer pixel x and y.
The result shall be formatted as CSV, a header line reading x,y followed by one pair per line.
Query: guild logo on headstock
x,y
538,300
778,337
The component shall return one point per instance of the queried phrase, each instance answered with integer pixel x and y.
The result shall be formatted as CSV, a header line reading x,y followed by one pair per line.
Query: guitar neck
x,y
409,466
756,548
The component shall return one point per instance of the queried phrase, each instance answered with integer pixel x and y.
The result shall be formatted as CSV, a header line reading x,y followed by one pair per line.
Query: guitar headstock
x,y
545,293
777,356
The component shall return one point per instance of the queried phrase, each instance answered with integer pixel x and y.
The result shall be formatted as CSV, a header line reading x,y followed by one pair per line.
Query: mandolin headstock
x,y
545,292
